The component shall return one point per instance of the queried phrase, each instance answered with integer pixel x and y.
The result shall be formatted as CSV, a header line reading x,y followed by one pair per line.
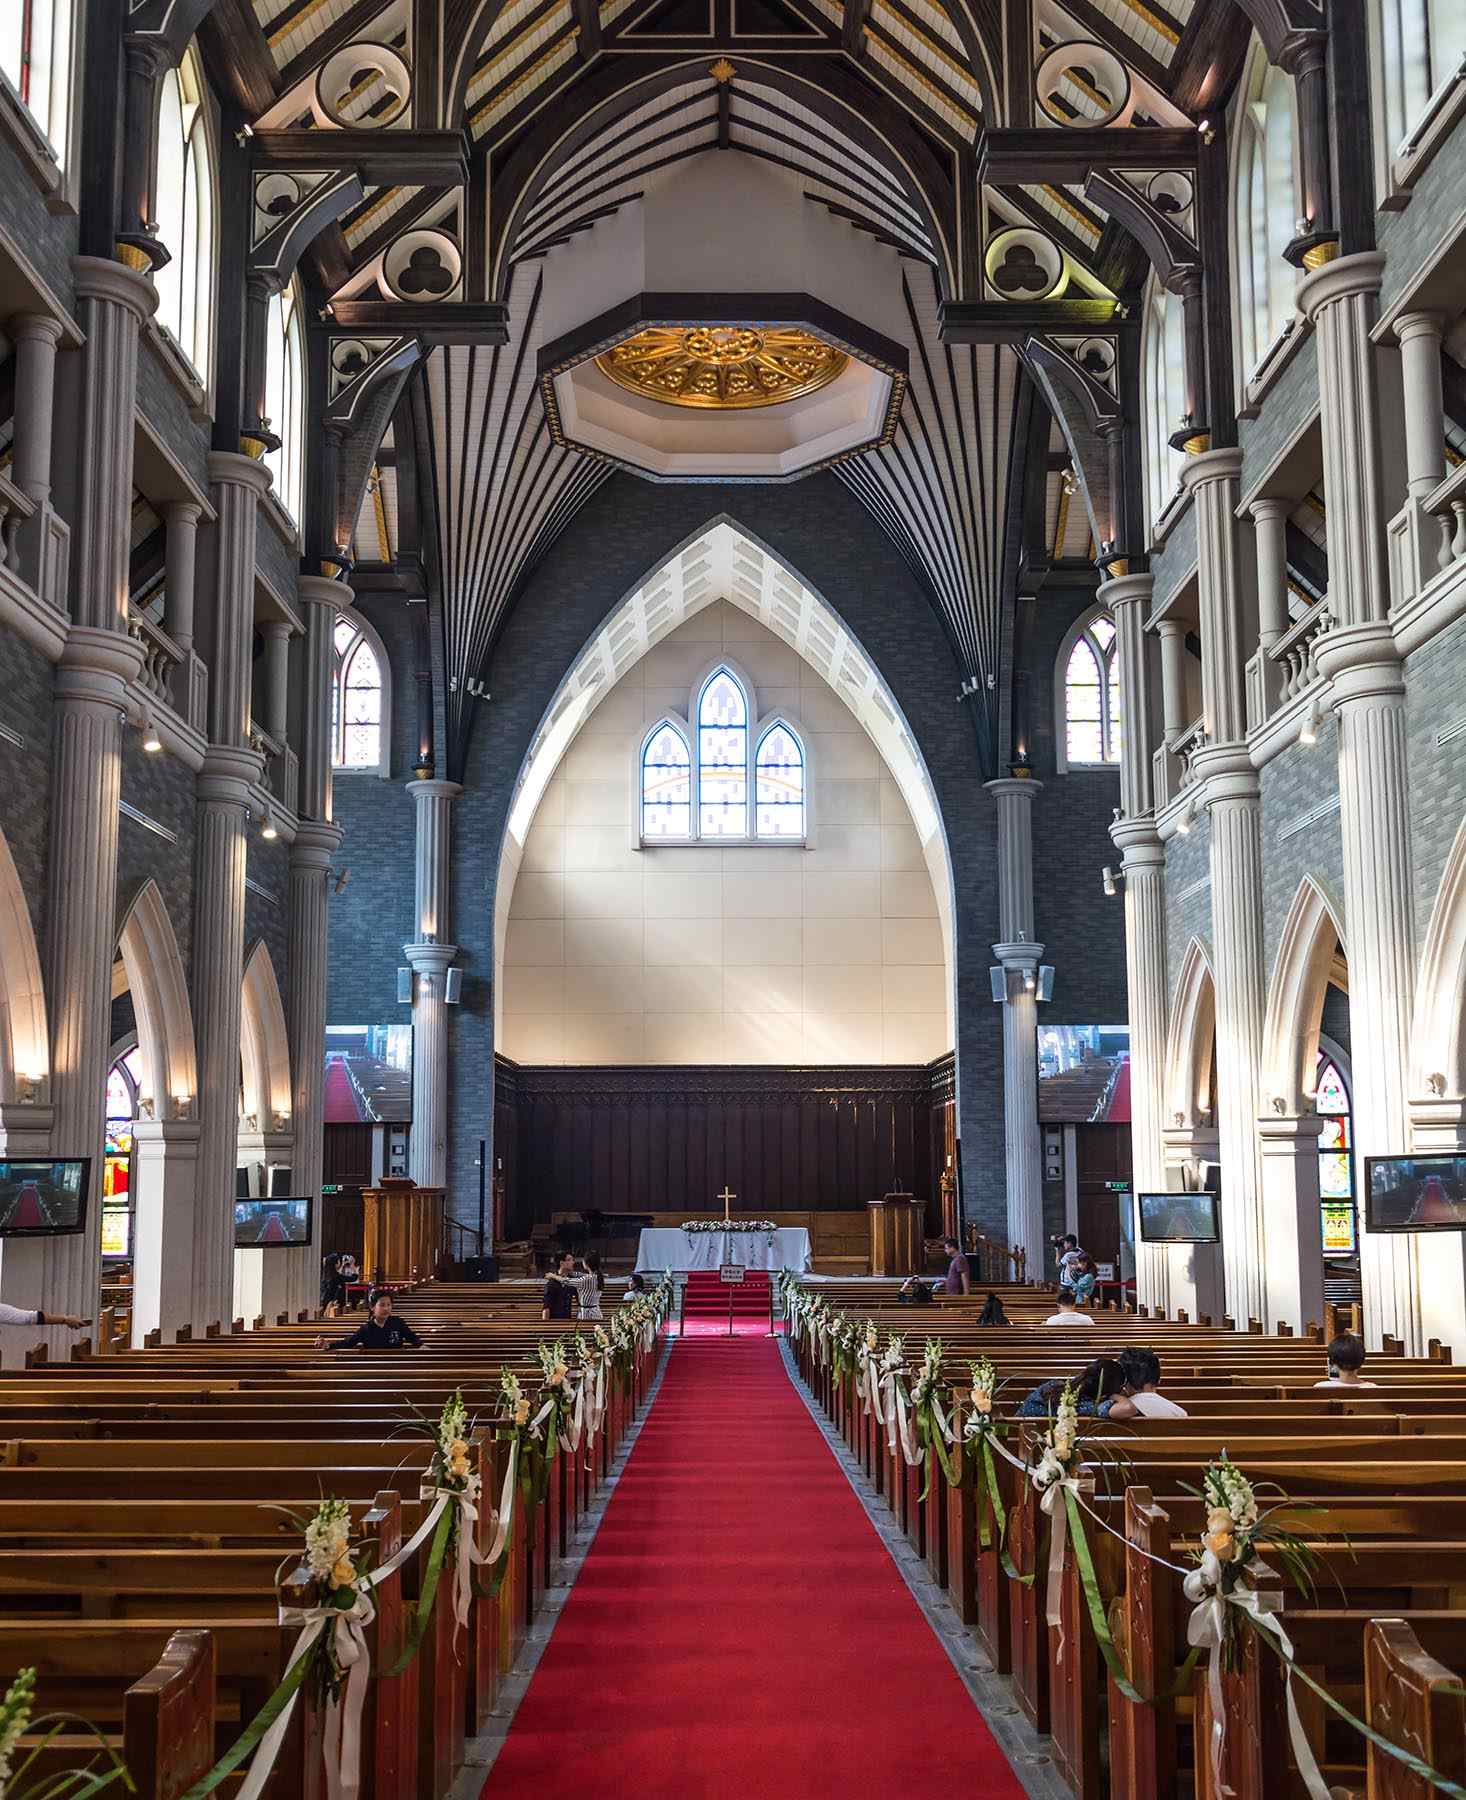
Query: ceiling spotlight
x,y
152,743
1312,719
267,830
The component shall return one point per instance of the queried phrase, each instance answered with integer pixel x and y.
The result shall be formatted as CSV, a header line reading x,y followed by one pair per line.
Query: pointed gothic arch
x,y
25,1054
1190,1041
1439,1035
148,951
264,1045
1308,951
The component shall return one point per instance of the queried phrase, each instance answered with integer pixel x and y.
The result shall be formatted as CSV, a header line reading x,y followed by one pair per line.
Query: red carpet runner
x,y
738,1629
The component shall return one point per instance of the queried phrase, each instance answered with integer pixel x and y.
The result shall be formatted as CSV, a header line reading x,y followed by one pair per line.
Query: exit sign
x,y
1117,1187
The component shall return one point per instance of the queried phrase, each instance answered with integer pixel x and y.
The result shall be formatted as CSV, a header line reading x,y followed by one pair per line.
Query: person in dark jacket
x,y
382,1330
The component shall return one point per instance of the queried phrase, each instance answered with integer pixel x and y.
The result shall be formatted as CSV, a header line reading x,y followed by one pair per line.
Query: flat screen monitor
x,y
368,1074
44,1198
1415,1193
1084,1074
272,1224
1179,1218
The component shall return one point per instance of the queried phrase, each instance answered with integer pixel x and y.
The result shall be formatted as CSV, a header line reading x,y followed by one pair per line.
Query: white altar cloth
x,y
674,1249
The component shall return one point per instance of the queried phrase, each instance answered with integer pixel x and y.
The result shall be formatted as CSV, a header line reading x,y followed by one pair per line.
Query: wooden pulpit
x,y
895,1234
402,1231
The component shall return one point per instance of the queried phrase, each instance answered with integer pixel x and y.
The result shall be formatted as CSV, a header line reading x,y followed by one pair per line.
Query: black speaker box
x,y
480,1268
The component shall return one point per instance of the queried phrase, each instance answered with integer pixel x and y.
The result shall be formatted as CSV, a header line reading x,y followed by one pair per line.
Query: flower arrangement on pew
x,y
867,1377
844,1336
17,1722
552,1424
933,1431
900,1430
982,1434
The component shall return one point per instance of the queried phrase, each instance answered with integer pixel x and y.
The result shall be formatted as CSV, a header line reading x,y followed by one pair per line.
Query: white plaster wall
x,y
826,954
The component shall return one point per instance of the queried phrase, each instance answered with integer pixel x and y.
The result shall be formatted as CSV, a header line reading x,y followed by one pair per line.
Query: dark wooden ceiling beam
x,y
238,58
432,322
1119,43
346,30
1043,154
852,27
383,158
1015,321
1209,59
588,28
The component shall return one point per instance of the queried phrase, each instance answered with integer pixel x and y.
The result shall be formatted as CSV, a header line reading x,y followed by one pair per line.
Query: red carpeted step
x,y
738,1629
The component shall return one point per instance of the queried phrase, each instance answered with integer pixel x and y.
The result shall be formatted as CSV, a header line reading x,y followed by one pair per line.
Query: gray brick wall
x,y
1290,400
162,787
624,532
1188,895
267,904
1293,785
1176,558
163,406
1435,700
275,559
47,239
25,791
1412,235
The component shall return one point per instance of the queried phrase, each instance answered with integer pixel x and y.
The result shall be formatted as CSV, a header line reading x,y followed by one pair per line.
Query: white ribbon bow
x,y
341,1751
1206,1629
898,1418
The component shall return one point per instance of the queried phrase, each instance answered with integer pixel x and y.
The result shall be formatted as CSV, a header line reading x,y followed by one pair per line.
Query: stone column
x,y
431,959
1227,784
277,679
35,336
1293,1254
1419,337
1270,526
230,767
1173,677
165,1170
98,663
1020,957
181,520
1360,660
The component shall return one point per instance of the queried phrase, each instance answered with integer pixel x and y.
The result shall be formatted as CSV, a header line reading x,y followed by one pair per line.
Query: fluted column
x,y
219,868
1173,677
277,678
1020,957
1229,784
1419,337
181,518
35,336
1270,528
431,958
1359,658
321,601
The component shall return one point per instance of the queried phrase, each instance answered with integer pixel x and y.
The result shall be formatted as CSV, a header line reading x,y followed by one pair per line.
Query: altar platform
x,y
787,1247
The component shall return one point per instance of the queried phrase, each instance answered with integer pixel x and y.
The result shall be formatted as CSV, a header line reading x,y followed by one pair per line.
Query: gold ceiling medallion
x,y
723,366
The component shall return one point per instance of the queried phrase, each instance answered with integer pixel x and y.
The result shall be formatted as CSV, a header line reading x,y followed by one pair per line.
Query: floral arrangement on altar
x,y
703,1227
16,1722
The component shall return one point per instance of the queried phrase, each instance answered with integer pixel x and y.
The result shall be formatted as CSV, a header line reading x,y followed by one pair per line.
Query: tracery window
x,y
1335,1159
1421,46
1265,210
1164,370
1090,694
359,710
721,780
285,396
184,202
37,39
123,1080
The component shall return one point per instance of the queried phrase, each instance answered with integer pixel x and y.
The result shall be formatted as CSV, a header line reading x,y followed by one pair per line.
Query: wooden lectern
x,y
402,1231
895,1234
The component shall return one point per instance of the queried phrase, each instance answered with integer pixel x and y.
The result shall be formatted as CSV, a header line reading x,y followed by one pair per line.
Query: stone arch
x,y
1189,1097
25,1054
1439,1034
148,951
264,1045
1308,951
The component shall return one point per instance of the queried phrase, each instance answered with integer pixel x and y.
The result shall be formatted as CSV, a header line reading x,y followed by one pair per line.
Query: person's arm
x,y
1120,1408
17,1315
966,1276
353,1342
409,1336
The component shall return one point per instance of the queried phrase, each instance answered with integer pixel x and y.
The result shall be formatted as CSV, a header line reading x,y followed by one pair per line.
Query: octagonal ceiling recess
x,y
699,334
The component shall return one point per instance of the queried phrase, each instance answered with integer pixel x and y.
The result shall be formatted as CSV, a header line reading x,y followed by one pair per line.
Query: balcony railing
x,y
1428,537
1174,765
161,656
15,508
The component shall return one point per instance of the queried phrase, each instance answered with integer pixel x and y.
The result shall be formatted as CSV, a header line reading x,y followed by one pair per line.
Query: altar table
x,y
786,1248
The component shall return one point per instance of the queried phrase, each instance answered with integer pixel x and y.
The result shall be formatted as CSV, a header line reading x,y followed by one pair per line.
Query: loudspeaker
x,y
280,1180
480,1268
452,987
404,987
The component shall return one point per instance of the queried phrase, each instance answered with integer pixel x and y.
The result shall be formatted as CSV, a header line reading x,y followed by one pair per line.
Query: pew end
x,y
1415,1700
168,1718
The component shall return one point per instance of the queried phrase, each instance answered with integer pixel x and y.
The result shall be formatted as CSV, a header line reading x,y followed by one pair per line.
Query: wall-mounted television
x,y
1179,1218
1415,1193
1084,1074
44,1198
368,1074
272,1224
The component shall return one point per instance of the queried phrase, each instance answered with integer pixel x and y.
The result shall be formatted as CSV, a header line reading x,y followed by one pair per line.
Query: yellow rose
x,y
458,1448
343,1574
1218,1518
1221,1544
558,1374
458,1468
521,1413
982,1400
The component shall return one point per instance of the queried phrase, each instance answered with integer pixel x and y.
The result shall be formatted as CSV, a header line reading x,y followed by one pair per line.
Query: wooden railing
x,y
996,1261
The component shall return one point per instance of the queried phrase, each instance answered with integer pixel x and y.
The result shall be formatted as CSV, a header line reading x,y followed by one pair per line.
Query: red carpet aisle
x,y
738,1629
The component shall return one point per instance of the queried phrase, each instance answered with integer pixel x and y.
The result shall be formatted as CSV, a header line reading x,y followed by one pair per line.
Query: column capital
x,y
1269,507
166,1131
1225,772
430,959
99,278
316,842
230,468
1340,279
1411,325
1360,660
1139,842
228,773
182,512
1019,956
34,328
1212,465
433,789
1125,590
273,630
1007,787
98,664
321,590
1289,1133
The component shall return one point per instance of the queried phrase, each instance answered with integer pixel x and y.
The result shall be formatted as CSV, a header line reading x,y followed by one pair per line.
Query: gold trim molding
x,y
723,367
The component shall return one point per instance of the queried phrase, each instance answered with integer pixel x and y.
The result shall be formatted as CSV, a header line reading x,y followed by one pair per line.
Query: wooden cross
x,y
727,1197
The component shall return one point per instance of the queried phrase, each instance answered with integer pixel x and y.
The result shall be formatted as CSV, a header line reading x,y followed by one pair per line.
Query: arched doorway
x,y
1188,1278
266,1282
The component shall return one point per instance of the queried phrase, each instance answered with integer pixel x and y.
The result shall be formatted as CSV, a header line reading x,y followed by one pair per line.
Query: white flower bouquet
x,y
702,1227
19,1721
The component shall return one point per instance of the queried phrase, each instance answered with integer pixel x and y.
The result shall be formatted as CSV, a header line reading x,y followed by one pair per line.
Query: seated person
x,y
992,1312
1346,1359
1067,1315
1142,1369
635,1288
914,1292
1100,1392
559,1296
380,1331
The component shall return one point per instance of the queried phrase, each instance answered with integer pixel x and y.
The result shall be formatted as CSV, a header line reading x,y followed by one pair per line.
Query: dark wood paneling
x,y
347,1156
639,1139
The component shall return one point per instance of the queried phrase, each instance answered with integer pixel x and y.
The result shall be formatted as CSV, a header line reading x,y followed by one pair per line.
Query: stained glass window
x,y
1092,696
117,1196
1335,1158
722,758
357,700
779,785
666,785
